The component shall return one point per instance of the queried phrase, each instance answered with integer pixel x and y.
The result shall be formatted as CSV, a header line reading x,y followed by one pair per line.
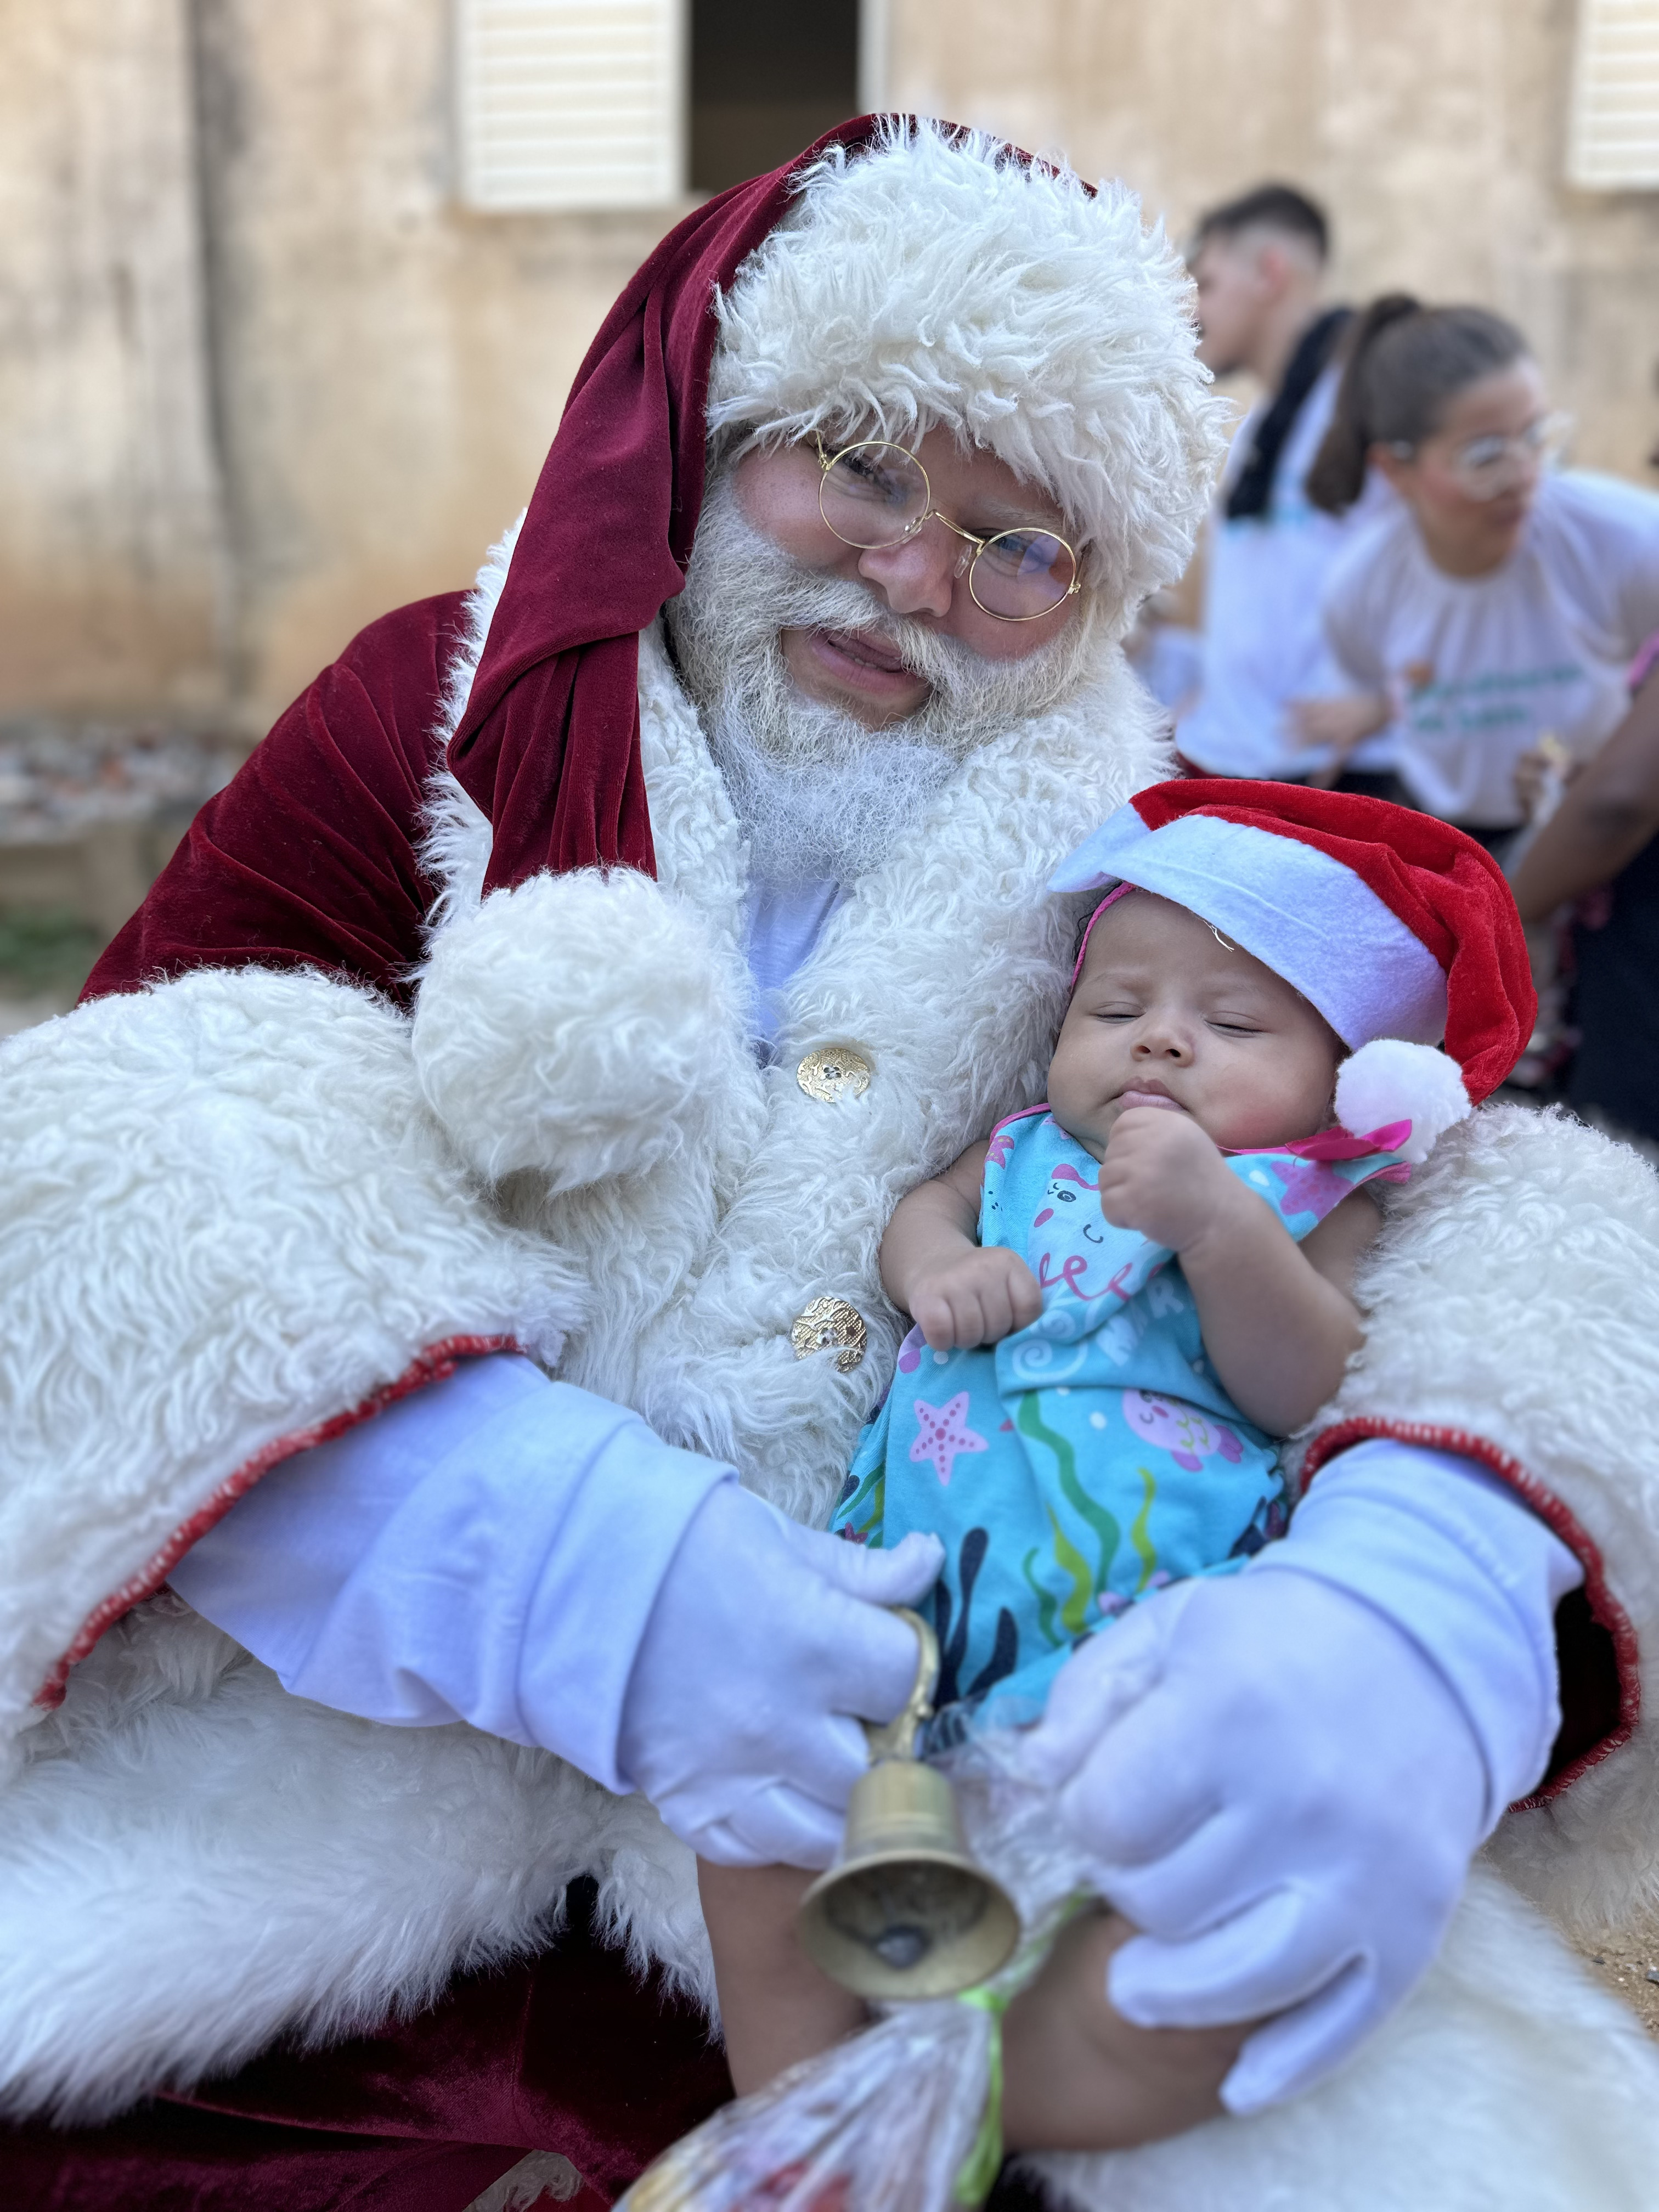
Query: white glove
x,y
765,1642
515,1552
1279,1786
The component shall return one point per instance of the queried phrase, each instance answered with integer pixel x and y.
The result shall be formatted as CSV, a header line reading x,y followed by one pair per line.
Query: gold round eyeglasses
x,y
875,494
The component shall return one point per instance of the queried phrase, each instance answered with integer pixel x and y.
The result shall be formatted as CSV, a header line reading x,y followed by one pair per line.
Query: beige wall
x,y
200,504
1432,129
394,366
201,501
109,516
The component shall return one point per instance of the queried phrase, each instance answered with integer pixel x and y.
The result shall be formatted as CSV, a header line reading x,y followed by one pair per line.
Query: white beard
x,y
820,796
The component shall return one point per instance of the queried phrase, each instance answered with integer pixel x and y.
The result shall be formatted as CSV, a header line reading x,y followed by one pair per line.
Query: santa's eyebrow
x,y
996,513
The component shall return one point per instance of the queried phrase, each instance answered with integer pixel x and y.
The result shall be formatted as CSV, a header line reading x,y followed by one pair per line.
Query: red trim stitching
x,y
431,1365
1605,1608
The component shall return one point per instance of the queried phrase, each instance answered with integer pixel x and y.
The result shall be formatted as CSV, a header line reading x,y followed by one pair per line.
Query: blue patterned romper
x,y
1091,1457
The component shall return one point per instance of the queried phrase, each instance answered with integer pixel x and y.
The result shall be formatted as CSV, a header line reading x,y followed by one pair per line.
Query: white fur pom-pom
x,y
1389,1080
577,1024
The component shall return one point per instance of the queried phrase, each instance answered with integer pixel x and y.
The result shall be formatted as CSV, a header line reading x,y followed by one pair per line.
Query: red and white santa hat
x,y
1399,928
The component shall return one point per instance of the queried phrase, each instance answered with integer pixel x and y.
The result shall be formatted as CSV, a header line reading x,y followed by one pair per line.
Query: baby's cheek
x,y
1080,1081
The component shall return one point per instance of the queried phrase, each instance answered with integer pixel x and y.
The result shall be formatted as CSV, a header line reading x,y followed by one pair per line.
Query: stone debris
x,y
1630,1970
58,778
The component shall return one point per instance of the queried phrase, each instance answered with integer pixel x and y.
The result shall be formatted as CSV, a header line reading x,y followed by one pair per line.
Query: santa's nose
x,y
918,577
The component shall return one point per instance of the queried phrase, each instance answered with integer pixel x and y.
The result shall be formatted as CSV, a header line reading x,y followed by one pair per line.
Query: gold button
x,y
830,1325
834,1071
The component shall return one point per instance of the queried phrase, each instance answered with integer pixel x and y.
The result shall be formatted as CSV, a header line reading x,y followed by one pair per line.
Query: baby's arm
x,y
1278,1323
933,1265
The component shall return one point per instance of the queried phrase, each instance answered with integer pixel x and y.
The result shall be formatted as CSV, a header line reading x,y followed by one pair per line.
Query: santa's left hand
x,y
1276,1782
1163,1176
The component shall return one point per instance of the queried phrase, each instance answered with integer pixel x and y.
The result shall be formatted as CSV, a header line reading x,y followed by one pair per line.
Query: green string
x,y
976,2176
977,2173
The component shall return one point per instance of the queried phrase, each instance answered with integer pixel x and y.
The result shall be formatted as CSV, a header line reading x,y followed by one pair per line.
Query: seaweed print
x,y
953,1641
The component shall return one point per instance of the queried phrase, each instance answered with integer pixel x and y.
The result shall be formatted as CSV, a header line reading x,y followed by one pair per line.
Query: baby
x,y
1121,1300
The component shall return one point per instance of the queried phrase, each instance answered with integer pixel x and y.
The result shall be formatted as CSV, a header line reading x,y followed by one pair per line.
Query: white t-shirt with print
x,y
1480,667
1265,578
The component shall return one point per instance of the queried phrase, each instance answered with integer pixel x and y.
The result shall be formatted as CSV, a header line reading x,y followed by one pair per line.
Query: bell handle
x,y
896,1739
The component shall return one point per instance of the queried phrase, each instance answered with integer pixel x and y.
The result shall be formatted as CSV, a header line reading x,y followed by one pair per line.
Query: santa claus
x,y
441,1302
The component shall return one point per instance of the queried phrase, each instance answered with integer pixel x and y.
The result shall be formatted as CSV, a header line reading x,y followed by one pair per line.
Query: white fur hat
x,y
941,278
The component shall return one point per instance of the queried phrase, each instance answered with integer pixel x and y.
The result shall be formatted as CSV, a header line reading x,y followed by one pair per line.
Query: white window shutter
x,y
1613,138
565,104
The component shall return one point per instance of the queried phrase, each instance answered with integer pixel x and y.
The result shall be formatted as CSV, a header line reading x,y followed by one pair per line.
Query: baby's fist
x,y
1161,1175
980,1298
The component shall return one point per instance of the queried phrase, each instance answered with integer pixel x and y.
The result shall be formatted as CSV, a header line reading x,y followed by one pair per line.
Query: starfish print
x,y
944,1433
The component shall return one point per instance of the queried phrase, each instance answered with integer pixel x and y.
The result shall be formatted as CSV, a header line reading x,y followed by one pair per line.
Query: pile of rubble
x,y
57,780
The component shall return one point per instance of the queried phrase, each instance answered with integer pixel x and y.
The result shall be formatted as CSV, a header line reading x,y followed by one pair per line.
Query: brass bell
x,y
904,1911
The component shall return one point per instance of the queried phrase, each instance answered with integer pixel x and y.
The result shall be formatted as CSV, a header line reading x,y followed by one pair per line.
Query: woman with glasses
x,y
1498,602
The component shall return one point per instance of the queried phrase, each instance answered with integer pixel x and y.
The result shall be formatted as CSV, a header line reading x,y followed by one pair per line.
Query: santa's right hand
x,y
767,1644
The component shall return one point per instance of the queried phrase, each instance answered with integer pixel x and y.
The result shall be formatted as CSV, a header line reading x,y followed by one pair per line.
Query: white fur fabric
x,y
224,1217
578,1023
937,280
1514,1296
195,1862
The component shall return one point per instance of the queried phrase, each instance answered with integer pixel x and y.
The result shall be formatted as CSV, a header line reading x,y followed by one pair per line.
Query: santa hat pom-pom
x,y
1390,1081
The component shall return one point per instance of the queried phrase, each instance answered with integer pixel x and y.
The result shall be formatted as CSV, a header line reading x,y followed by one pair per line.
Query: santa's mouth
x,y
868,652
865,646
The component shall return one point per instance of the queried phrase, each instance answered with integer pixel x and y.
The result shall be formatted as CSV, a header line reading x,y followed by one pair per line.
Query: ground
x,y
1631,1969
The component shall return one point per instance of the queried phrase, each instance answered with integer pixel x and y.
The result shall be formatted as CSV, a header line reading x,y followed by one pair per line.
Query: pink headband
x,y
1110,899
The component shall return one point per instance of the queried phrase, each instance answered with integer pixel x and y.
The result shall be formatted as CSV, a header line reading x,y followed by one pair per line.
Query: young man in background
x,y
1270,702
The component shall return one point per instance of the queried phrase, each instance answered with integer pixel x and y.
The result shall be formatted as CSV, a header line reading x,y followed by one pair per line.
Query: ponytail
x,y
1404,363
1338,474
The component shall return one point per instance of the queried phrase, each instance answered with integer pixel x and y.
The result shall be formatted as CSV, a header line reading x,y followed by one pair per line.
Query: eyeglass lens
x,y
1487,467
1021,574
875,495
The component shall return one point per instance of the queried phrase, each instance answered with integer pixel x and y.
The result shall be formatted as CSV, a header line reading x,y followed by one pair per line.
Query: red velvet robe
x,y
309,853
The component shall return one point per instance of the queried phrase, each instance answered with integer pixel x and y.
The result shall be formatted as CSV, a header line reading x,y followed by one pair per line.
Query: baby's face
x,y
1166,1016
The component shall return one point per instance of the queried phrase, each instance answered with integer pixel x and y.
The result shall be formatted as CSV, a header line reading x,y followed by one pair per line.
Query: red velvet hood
x,y
549,746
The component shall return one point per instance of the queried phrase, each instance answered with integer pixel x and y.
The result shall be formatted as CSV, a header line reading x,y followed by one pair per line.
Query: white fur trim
x,y
198,1917
455,851
1299,911
1388,1080
1513,1298
224,1216
932,281
577,1023
541,2176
